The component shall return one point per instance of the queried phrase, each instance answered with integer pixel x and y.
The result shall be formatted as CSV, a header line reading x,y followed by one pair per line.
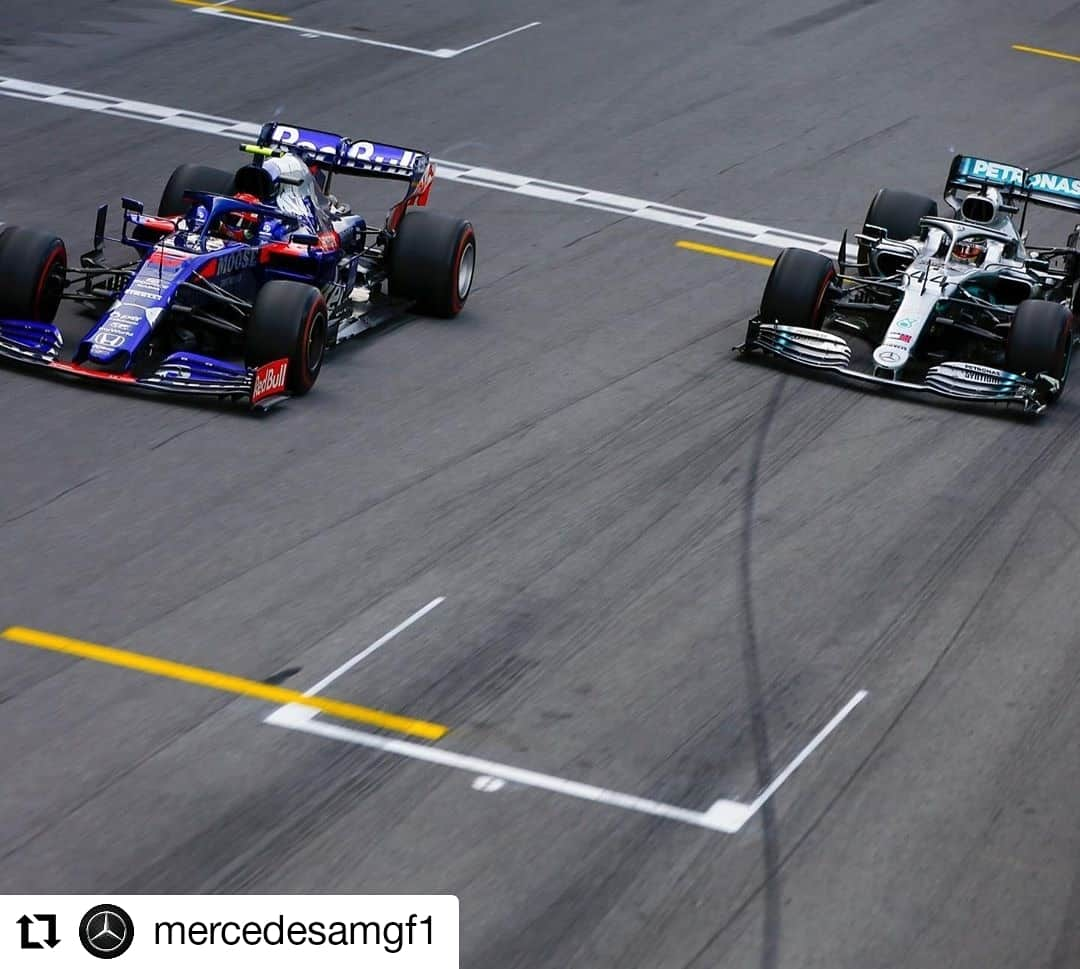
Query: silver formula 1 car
x,y
962,307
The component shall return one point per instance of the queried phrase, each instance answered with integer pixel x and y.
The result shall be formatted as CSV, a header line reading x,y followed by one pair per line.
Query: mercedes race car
x,y
962,307
242,280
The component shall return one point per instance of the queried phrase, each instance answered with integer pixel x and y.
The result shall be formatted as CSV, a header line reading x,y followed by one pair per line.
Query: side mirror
x,y
99,227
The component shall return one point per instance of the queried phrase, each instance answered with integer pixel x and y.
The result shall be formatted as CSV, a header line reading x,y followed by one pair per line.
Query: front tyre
x,y
432,260
796,290
33,272
1040,341
289,321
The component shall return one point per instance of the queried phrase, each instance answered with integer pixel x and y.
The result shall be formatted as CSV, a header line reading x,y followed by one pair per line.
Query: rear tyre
x,y
288,321
33,270
898,213
1040,340
432,260
795,292
193,178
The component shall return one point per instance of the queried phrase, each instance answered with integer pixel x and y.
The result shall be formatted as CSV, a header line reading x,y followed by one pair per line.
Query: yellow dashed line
x,y
226,682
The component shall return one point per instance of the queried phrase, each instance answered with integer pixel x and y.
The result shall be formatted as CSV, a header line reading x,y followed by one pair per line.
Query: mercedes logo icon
x,y
106,931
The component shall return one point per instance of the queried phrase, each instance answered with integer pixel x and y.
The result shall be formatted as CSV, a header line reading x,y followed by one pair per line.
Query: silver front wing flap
x,y
958,380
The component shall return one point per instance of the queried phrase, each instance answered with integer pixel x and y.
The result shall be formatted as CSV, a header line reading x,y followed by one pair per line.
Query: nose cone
x,y
114,341
890,357
103,354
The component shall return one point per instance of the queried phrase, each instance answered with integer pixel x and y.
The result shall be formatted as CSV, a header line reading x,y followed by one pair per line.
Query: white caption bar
x,y
225,931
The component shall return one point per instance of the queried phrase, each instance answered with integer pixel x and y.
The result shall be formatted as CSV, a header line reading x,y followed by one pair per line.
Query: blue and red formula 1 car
x,y
243,279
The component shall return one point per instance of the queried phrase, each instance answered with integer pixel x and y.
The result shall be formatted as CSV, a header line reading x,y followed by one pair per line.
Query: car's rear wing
x,y
1041,188
333,153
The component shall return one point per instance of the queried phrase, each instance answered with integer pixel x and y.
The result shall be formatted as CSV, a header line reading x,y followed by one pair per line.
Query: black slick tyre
x,y
898,213
432,260
33,268
288,322
795,292
193,178
1040,340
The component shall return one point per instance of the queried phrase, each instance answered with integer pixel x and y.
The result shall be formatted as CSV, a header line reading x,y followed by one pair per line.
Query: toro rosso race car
x,y
243,279
961,307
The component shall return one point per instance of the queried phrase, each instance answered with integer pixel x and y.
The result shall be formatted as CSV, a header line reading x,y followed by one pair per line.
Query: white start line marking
x,y
378,644
443,53
723,815
479,176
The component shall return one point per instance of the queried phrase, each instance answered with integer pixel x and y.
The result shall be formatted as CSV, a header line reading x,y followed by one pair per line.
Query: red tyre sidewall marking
x,y
815,320
55,255
317,306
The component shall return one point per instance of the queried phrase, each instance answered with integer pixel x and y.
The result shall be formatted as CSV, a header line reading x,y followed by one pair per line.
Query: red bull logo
x,y
269,380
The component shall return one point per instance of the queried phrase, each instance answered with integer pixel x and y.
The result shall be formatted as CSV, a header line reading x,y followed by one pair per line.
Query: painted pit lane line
x,y
1043,52
238,12
225,682
478,176
725,253
723,815
277,20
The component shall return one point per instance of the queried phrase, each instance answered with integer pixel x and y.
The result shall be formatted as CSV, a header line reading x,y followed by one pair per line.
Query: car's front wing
x,y
40,344
821,350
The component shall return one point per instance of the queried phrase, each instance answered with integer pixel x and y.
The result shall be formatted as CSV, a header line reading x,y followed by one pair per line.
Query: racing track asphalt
x,y
664,568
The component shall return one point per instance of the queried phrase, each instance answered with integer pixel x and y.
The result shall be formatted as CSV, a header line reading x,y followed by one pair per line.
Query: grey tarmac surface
x,y
664,568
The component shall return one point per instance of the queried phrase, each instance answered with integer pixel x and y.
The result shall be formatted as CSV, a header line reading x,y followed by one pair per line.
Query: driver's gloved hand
x,y
338,208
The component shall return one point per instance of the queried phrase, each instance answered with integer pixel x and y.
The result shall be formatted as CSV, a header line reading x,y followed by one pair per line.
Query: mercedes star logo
x,y
106,931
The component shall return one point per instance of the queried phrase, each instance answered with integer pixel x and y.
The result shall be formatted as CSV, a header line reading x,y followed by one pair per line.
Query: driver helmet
x,y
240,226
969,251
287,166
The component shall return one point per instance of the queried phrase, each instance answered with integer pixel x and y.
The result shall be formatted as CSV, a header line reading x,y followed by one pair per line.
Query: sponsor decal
x,y
379,156
904,337
978,368
234,262
148,284
906,323
1011,175
886,355
168,260
104,338
363,154
309,140
116,330
269,380
1055,184
992,171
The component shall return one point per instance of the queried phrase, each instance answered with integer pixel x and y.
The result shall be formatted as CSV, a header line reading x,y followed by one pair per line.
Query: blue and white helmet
x,y
294,185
